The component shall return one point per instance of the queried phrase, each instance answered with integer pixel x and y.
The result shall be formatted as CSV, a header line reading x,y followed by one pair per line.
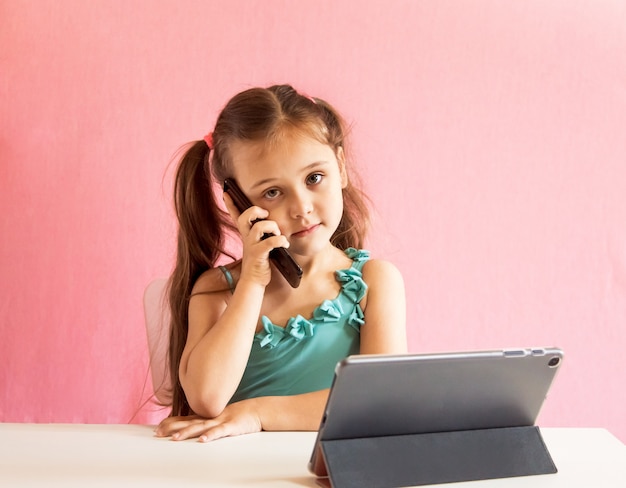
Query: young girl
x,y
248,352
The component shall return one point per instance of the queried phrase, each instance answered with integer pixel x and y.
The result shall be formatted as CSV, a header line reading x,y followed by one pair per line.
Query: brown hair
x,y
257,114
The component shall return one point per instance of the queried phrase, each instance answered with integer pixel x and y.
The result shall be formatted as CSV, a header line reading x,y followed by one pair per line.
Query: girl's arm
x,y
221,330
218,343
384,332
271,413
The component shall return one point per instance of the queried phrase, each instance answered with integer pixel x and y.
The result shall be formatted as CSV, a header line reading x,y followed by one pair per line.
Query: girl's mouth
x,y
305,232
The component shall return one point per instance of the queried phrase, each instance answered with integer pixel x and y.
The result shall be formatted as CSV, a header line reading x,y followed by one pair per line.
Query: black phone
x,y
281,258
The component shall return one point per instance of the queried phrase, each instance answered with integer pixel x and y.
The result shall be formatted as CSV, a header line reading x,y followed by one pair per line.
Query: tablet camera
x,y
554,362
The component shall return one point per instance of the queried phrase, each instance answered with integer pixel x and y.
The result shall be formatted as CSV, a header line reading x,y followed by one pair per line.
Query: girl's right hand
x,y
253,228
236,419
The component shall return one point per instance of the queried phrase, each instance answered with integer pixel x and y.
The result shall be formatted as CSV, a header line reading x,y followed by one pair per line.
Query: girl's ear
x,y
341,160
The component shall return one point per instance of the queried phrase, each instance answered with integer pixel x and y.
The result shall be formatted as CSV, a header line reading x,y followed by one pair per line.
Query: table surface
x,y
33,455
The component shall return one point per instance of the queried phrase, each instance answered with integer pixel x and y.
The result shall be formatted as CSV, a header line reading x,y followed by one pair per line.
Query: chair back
x,y
157,318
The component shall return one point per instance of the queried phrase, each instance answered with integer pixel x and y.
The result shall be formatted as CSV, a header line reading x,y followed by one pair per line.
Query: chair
x,y
157,317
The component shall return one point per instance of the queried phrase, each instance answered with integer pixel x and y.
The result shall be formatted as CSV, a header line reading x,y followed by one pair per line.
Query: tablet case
x,y
418,458
428,459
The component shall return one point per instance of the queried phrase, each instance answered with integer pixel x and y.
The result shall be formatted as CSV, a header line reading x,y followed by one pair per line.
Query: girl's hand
x,y
256,248
236,419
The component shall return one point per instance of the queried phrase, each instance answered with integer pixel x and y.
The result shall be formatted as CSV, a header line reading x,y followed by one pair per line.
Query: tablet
x,y
386,395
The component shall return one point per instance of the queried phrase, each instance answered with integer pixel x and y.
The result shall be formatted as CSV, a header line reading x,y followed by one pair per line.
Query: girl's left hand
x,y
236,419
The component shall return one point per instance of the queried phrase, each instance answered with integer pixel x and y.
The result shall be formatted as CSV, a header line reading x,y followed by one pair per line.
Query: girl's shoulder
x,y
373,270
385,296
216,280
379,272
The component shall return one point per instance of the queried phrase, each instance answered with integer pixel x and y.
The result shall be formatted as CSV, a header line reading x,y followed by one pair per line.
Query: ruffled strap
x,y
357,255
328,311
353,290
273,335
352,283
357,318
298,327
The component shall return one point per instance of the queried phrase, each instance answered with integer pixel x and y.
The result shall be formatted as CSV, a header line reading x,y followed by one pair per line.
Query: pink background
x,y
490,134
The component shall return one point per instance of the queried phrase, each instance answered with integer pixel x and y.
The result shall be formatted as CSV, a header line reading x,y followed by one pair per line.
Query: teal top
x,y
301,356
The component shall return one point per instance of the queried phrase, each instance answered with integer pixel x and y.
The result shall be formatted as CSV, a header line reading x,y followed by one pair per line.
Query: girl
x,y
248,352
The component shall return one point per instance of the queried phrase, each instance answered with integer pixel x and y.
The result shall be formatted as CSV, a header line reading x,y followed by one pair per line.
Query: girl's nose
x,y
301,206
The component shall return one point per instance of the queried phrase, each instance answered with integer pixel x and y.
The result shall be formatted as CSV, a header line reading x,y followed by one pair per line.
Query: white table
x,y
76,455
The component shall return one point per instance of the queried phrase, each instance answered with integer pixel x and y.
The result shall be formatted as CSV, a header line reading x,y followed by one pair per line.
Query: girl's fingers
x,y
251,217
276,241
194,429
263,228
251,222
171,425
205,430
215,432
237,418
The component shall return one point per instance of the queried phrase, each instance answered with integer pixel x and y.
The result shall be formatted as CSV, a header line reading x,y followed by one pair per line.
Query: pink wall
x,y
491,136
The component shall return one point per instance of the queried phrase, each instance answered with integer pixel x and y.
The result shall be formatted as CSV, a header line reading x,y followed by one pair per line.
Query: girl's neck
x,y
318,283
328,260
323,261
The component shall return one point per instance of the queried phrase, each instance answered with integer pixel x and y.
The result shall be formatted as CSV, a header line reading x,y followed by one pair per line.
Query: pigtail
x,y
201,237
201,220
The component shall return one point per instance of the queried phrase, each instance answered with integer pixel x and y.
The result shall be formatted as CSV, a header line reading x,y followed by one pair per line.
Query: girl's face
x,y
299,181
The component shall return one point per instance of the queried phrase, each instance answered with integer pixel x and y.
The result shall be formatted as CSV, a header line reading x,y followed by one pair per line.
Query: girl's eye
x,y
314,179
271,194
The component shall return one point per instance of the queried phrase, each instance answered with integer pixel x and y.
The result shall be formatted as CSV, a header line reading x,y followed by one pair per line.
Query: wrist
x,y
256,406
251,285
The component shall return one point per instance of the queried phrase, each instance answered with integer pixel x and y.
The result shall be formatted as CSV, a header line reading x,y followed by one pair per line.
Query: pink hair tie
x,y
209,140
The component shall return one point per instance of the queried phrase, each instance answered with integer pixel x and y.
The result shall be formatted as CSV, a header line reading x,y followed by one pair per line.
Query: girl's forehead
x,y
255,161
282,137
292,148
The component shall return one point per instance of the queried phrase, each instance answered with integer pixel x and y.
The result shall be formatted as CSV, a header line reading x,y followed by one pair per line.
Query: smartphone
x,y
281,258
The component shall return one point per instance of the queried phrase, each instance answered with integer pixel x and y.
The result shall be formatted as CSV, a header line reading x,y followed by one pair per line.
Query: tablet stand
x,y
421,459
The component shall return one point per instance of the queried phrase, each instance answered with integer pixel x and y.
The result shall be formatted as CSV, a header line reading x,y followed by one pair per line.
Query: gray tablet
x,y
386,395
